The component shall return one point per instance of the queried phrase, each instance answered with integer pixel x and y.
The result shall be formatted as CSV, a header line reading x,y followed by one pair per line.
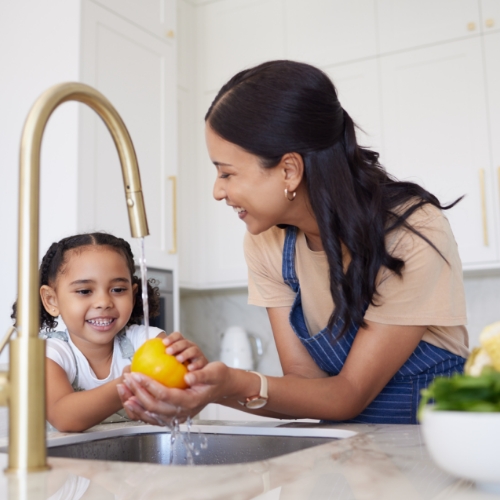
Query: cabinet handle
x,y
498,175
483,207
471,26
173,179
489,23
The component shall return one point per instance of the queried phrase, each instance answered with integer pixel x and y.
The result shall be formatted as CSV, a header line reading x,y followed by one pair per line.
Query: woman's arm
x,y
70,411
304,391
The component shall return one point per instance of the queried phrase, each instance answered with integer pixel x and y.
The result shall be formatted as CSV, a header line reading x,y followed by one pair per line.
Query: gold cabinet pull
x,y
489,23
471,26
483,207
173,179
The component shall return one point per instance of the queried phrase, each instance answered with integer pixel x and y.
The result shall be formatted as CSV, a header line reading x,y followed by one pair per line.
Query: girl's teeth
x,y
238,209
100,322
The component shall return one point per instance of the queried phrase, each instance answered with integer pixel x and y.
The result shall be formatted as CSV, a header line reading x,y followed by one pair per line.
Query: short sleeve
x,y
430,290
263,254
60,352
138,334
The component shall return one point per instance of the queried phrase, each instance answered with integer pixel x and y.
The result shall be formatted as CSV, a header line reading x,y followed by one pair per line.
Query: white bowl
x,y
465,444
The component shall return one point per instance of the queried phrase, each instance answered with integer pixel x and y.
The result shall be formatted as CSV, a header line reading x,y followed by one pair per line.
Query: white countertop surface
x,y
380,462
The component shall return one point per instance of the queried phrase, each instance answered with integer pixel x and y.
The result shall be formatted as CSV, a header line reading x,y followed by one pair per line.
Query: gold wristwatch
x,y
259,401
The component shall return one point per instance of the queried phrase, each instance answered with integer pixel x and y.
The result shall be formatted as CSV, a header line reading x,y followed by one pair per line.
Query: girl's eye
x,y
83,292
223,176
118,290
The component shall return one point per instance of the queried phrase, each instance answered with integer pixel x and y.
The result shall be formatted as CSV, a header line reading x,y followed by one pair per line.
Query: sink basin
x,y
211,444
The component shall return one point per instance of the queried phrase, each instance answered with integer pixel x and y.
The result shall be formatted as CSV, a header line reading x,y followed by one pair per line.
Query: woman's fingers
x,y
153,396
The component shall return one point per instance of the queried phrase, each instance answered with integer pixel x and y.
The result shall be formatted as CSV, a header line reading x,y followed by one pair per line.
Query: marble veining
x,y
380,462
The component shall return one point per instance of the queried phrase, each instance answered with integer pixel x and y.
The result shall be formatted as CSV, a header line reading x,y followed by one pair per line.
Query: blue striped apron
x,y
398,401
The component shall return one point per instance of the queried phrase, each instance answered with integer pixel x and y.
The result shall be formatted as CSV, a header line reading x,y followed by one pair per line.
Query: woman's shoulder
x,y
428,221
268,243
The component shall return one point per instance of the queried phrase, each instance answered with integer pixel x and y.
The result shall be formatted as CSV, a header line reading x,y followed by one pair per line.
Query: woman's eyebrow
x,y
221,164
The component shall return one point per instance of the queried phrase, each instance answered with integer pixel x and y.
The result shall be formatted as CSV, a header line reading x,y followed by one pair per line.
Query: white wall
x,y
39,43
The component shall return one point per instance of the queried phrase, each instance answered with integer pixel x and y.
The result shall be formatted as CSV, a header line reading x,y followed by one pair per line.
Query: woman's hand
x,y
147,400
185,350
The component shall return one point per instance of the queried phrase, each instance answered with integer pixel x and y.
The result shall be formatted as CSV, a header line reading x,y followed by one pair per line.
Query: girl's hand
x,y
147,400
185,350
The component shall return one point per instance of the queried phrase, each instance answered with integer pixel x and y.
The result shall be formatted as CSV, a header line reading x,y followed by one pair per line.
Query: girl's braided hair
x,y
54,260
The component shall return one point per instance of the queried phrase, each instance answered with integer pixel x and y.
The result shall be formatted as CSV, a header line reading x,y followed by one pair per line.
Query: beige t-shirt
x,y
430,291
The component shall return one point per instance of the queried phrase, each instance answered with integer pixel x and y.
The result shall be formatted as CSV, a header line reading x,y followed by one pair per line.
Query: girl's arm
x,y
70,411
304,391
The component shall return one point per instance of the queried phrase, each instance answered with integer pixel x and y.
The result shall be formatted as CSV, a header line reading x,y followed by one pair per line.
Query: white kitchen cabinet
x,y
237,34
157,17
435,129
490,15
404,24
492,61
324,32
358,90
136,71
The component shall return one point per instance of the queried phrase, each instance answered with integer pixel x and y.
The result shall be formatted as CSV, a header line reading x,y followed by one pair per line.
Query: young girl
x,y
89,281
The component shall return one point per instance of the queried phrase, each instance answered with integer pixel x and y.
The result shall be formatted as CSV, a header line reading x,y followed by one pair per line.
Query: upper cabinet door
x,y
358,90
436,134
490,14
238,34
324,32
156,16
404,24
136,71
492,59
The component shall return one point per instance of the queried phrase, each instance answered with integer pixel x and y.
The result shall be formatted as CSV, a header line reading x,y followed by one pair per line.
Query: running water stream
x,y
175,432
144,281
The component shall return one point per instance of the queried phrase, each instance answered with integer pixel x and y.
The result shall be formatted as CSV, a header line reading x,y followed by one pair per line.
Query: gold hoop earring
x,y
294,194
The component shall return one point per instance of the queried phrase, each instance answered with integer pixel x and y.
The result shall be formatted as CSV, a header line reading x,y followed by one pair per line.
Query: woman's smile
x,y
240,211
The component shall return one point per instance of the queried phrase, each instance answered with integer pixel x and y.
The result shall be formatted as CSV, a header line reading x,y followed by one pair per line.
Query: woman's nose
x,y
219,192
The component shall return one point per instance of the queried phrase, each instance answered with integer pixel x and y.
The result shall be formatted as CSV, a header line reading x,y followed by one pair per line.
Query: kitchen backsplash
x,y
206,314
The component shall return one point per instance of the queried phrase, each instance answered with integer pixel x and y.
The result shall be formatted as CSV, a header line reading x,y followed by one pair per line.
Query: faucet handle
x,y
4,388
7,337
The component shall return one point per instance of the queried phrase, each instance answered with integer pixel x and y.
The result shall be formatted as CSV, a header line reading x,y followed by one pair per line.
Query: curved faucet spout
x,y
27,451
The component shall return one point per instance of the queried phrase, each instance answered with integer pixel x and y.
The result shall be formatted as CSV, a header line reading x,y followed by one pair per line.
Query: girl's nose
x,y
219,192
103,301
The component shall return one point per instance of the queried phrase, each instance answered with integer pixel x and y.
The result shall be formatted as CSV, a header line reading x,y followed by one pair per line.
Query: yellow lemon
x,y
152,360
490,340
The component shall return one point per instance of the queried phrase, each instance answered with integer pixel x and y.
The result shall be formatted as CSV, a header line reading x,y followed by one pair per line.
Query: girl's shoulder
x,y
138,334
58,350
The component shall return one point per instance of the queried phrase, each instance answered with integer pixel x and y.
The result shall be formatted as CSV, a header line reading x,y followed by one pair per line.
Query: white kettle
x,y
236,348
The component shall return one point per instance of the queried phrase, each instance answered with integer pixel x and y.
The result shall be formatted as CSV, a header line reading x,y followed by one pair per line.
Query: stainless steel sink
x,y
207,449
212,443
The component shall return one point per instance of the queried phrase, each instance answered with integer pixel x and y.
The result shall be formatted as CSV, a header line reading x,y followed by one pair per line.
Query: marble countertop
x,y
379,462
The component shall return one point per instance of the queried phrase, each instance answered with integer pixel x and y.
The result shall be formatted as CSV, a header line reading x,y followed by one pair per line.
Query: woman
x,y
360,273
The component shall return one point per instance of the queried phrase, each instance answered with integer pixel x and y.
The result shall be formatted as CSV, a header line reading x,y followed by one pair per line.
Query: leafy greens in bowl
x,y
465,392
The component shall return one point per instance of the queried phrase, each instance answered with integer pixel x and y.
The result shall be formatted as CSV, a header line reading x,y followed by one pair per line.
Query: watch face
x,y
256,403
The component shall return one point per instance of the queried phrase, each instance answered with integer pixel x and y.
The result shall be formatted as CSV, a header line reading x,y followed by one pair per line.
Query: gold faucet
x,y
23,387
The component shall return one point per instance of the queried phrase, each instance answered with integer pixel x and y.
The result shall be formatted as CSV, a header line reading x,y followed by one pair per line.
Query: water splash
x,y
175,432
144,281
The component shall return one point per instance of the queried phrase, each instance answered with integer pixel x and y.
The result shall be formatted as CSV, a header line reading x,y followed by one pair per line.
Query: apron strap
x,y
288,265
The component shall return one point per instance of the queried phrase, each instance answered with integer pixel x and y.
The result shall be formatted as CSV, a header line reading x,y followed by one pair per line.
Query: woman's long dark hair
x,y
55,258
281,107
